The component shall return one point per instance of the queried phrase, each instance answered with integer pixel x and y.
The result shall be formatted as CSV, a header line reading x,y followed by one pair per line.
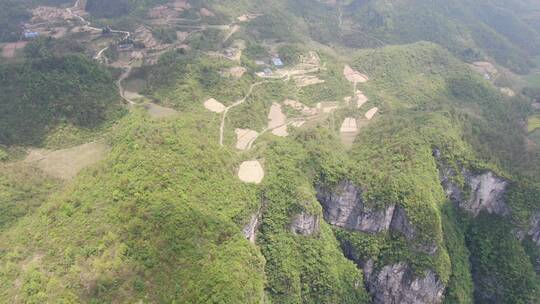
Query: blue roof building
x,y
31,35
277,61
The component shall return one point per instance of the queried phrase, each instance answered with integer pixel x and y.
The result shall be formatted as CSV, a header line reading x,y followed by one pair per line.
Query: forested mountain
x,y
284,151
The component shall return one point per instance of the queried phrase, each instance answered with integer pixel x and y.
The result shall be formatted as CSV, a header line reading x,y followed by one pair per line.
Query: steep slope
x,y
435,201
140,215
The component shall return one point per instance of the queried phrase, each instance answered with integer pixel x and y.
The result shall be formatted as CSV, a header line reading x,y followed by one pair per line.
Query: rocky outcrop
x,y
534,230
305,224
250,230
401,223
486,189
398,284
344,207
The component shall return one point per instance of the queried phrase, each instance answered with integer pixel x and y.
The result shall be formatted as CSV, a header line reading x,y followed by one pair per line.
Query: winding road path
x,y
88,25
239,102
127,34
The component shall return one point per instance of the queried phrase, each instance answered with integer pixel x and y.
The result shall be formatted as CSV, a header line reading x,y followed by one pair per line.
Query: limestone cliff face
x,y
534,233
344,207
534,230
486,190
305,224
397,284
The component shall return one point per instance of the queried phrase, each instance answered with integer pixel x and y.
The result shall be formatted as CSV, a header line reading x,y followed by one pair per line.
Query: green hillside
x,y
51,89
437,199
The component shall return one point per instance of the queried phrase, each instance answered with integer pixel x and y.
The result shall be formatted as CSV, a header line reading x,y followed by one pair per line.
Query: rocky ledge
x,y
398,284
343,206
485,190
305,224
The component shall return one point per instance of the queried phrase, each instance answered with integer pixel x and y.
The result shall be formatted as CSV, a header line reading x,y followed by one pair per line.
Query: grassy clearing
x,y
533,123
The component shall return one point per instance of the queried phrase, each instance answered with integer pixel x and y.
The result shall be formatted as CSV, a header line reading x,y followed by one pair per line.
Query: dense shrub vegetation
x,y
161,218
40,93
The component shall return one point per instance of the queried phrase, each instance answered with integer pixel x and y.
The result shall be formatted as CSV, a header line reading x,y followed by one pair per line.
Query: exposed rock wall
x,y
397,284
344,207
250,230
486,190
401,223
305,224
534,230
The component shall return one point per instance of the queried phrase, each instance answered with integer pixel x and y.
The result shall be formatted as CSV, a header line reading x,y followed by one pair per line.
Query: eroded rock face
x,y
344,207
305,224
486,190
401,223
250,230
534,230
397,284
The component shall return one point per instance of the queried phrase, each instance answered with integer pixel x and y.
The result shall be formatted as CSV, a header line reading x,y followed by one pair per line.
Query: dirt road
x,y
239,102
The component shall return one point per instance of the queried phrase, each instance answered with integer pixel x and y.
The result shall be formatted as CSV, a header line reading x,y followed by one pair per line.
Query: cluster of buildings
x,y
276,63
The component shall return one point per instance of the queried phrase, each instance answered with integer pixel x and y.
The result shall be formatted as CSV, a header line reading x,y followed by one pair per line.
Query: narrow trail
x,y
88,25
100,53
239,102
266,130
127,34
121,89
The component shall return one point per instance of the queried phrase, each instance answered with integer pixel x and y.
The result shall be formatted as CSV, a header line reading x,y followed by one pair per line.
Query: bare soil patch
x,y
327,107
371,113
298,124
67,163
281,131
354,76
248,17
251,172
304,81
144,35
206,12
182,36
232,29
132,95
508,92
300,107
10,49
236,72
214,106
245,138
485,67
276,117
348,131
349,125
181,5
361,99
49,14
